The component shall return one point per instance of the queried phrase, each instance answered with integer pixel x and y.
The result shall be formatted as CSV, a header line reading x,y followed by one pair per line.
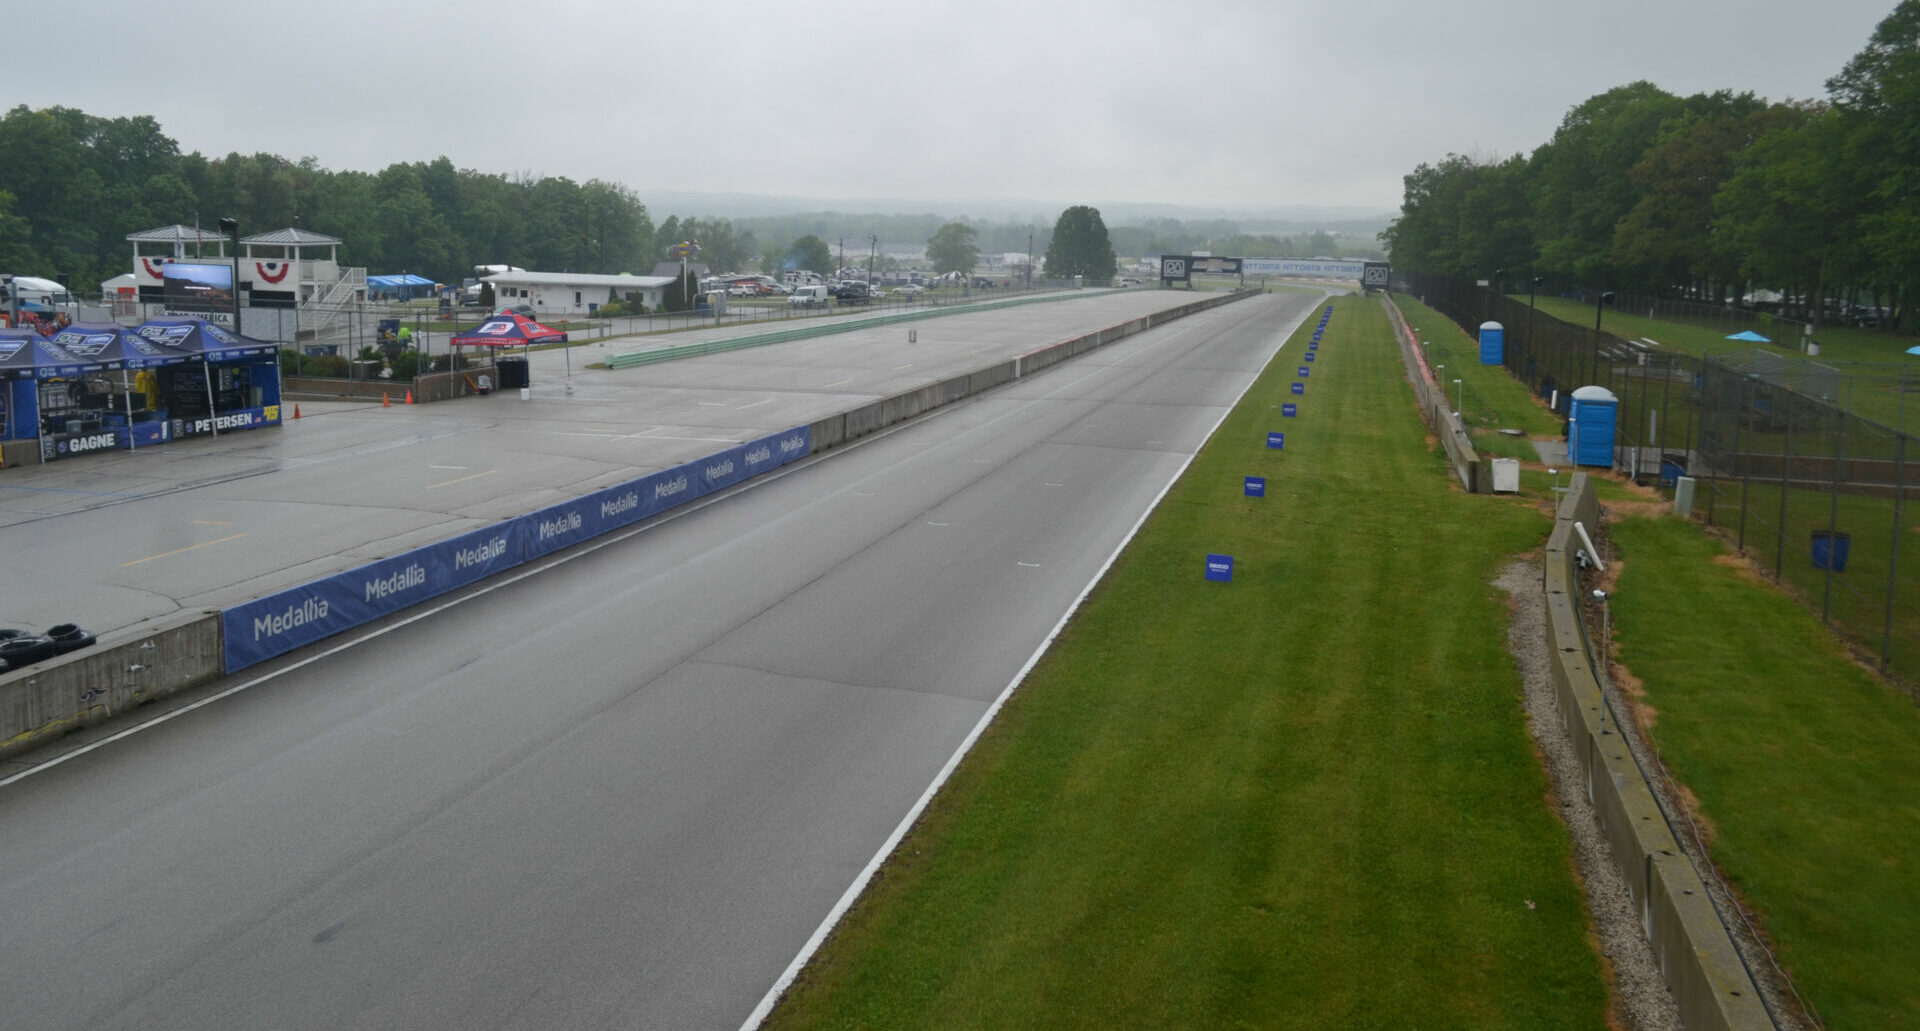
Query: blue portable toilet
x,y
1590,426
1493,343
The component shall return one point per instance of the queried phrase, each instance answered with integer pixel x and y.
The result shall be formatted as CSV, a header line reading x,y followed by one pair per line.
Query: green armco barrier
x,y
825,327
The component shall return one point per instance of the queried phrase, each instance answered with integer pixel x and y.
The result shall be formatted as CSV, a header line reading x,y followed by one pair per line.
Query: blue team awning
x,y
405,279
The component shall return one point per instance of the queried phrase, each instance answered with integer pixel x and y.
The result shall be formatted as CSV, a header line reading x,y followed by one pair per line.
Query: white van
x,y
808,297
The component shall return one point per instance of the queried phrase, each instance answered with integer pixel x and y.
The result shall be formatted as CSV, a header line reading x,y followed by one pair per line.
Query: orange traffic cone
x,y
296,411
409,397
385,401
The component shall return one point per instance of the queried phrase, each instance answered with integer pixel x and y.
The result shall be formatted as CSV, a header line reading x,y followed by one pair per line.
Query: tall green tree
x,y
953,248
1080,246
1785,208
1877,100
811,253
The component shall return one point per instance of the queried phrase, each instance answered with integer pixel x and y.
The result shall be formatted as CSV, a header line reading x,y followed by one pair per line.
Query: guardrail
x,y
666,354
1696,954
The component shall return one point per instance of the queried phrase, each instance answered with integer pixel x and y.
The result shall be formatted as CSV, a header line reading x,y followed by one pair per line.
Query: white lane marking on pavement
x,y
897,368
1050,483
1030,565
460,479
785,981
712,404
756,404
182,551
932,523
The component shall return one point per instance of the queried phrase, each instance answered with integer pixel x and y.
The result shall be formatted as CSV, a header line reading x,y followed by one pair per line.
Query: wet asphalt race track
x,y
621,792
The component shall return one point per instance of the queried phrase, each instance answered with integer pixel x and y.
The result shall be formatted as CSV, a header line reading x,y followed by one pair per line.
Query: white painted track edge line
x,y
859,885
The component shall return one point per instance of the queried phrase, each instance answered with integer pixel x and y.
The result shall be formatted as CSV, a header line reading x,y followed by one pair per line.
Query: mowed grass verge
x,y
1805,765
1303,799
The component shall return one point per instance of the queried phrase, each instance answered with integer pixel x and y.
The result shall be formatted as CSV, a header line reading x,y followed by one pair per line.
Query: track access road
x,y
622,791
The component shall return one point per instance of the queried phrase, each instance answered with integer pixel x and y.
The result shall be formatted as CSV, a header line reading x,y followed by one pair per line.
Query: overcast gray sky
x,y
1234,105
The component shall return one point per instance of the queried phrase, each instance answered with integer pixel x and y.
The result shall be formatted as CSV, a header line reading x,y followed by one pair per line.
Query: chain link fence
x,y
1809,468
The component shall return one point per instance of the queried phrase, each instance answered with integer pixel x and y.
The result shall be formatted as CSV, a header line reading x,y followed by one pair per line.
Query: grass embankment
x,y
1805,765
1492,399
1303,799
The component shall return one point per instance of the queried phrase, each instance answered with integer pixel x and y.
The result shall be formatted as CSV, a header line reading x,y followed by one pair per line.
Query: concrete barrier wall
x,y
1437,409
434,386
869,418
1695,953
49,699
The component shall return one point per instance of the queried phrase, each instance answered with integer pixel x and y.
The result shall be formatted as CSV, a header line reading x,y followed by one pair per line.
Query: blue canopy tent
x,y
405,285
235,387
1749,335
115,346
54,390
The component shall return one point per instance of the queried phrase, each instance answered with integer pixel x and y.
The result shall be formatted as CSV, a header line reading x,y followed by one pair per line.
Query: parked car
x,y
809,296
519,309
909,289
983,283
851,292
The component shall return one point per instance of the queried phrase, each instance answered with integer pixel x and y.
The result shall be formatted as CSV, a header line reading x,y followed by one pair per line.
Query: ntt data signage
x,y
285,620
1303,267
1183,267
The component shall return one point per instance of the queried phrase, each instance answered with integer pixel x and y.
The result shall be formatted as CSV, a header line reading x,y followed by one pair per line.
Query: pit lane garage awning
x,y
203,339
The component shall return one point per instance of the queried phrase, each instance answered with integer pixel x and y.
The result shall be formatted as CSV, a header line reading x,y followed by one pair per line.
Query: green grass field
x,y
1490,399
1873,358
1806,766
1305,799
1856,598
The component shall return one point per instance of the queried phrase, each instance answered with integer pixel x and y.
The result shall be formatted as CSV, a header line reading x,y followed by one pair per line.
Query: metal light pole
x,y
1460,398
231,227
1029,260
1599,307
1533,291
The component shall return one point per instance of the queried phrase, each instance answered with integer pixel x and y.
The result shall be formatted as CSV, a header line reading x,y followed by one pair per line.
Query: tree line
x,y
73,185
1709,197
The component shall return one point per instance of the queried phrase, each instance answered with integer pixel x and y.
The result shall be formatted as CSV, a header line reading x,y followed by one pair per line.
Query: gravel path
x,y
1640,999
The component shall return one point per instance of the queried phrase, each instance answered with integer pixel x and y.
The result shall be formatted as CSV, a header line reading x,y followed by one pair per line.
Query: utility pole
x,y
843,257
872,253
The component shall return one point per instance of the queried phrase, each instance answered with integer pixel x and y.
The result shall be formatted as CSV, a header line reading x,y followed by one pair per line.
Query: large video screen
x,y
195,289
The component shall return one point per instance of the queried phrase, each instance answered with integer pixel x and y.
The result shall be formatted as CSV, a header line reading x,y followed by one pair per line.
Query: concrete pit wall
x,y
44,701
836,430
1695,953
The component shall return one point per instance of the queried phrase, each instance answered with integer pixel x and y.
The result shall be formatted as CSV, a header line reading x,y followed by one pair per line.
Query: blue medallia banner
x,y
1276,440
1299,388
285,620
288,619
1289,411
1256,487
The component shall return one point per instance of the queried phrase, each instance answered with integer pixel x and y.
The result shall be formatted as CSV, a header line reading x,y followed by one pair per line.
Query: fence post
x,y
1893,553
1786,460
1833,514
1740,461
